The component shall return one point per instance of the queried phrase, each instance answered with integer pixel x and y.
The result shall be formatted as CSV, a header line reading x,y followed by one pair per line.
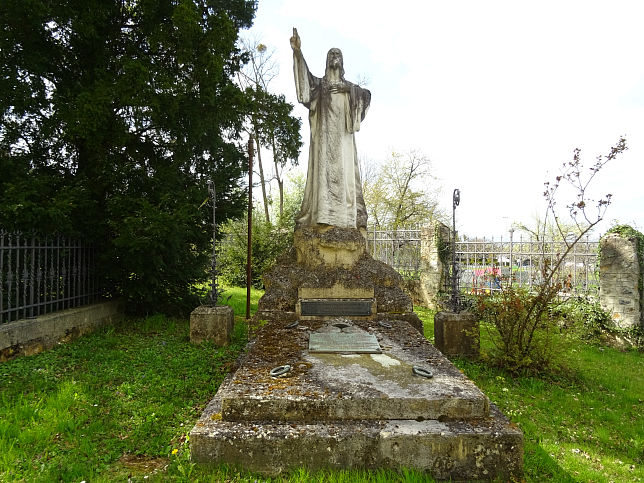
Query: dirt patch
x,y
139,465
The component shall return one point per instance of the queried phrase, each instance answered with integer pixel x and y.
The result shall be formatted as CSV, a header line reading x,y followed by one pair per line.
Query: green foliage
x,y
522,325
585,316
521,322
113,116
293,195
268,242
115,405
91,410
274,124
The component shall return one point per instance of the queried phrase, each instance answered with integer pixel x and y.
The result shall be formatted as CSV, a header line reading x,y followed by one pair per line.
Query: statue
x,y
333,192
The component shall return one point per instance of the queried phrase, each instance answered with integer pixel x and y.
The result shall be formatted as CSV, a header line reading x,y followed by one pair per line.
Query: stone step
x,y
332,386
487,448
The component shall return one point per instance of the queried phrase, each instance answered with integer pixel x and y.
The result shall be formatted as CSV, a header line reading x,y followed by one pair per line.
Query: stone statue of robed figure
x,y
333,192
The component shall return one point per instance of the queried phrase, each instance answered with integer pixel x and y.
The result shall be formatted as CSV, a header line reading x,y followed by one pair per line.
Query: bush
x,y
521,326
586,317
268,243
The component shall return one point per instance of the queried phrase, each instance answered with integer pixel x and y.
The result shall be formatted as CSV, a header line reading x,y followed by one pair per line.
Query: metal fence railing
x,y
39,275
486,265
397,248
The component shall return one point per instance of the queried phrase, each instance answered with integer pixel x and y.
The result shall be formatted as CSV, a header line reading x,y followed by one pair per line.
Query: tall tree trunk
x,y
280,183
261,175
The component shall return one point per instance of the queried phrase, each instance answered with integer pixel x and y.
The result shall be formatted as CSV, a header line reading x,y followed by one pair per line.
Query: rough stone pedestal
x,y
213,324
457,334
334,261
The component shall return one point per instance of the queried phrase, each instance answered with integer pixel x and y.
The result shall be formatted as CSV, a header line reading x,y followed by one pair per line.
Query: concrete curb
x,y
30,336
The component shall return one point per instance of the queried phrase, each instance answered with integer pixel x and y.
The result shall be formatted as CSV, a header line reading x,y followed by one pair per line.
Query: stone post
x,y
619,275
214,324
457,334
432,268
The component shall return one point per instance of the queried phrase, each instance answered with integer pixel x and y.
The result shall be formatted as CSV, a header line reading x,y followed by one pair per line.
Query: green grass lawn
x,y
119,404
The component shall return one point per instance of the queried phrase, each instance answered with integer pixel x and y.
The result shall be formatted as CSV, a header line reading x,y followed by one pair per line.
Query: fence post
x,y
619,279
432,267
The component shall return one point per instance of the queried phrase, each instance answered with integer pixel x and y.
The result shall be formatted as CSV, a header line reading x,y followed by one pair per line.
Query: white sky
x,y
496,93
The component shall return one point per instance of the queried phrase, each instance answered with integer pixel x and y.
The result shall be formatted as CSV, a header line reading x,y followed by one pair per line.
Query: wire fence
x,y
39,275
397,248
487,265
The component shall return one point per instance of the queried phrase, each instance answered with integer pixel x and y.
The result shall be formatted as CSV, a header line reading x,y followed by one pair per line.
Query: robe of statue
x,y
333,192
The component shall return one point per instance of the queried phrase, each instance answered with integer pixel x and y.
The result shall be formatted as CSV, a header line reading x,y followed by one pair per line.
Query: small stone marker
x,y
457,334
212,323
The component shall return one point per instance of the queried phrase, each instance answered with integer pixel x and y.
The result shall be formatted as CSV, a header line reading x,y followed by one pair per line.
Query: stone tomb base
x,y
354,410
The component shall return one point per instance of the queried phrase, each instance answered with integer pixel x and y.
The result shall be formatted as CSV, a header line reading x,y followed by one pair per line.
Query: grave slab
x,y
488,448
348,386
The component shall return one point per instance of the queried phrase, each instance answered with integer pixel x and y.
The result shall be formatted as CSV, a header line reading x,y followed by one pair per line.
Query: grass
x,y
118,405
583,423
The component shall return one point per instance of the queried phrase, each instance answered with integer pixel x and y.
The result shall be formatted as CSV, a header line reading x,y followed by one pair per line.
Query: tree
x,y
114,115
538,229
268,242
402,192
271,119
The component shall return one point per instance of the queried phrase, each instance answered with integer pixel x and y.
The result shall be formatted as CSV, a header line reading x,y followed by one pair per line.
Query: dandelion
x,y
175,451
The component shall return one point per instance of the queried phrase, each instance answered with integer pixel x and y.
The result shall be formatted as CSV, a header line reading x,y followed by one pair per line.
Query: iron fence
x,y
397,248
486,265
39,275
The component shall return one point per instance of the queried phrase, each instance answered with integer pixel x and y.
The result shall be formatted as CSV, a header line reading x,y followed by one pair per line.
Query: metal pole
x,y
214,289
250,225
511,253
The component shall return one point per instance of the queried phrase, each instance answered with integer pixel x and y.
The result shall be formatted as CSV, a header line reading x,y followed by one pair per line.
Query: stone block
x,y
456,450
348,386
337,291
328,246
457,334
213,324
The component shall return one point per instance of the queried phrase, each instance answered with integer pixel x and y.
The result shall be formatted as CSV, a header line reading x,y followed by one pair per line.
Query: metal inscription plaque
x,y
348,307
350,342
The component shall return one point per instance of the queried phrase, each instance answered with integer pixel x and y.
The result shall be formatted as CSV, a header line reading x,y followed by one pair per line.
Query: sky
x,y
497,94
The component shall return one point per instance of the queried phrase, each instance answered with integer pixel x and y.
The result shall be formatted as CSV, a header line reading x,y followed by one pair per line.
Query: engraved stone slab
x,y
331,307
347,342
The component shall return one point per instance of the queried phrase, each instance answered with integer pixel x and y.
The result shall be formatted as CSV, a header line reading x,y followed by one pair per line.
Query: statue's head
x,y
334,61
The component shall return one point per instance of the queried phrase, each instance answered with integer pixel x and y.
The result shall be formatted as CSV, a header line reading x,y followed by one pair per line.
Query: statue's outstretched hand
x,y
296,43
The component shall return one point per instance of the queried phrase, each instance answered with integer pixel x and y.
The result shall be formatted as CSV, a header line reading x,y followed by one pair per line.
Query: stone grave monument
x,y
339,374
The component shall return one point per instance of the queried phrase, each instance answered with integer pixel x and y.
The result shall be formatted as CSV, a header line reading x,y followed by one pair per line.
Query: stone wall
x,y
619,275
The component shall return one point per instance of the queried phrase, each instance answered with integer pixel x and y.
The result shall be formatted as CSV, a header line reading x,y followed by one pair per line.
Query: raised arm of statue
x,y
296,43
305,82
